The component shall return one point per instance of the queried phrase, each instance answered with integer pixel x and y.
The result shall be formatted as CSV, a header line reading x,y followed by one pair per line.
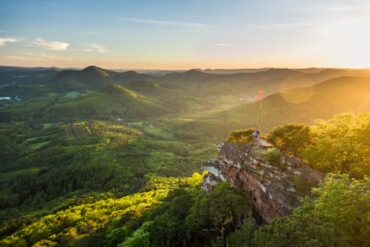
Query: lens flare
x,y
296,89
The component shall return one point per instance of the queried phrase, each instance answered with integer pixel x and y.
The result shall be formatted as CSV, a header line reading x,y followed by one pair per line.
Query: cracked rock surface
x,y
274,190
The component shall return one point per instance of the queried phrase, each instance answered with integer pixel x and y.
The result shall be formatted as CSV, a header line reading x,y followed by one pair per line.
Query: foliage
x,y
242,237
302,186
85,222
161,215
337,217
291,138
140,238
41,162
272,156
219,210
168,220
241,136
341,144
177,220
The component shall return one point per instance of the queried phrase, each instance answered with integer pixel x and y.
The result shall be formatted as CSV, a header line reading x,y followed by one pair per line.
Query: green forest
x,y
95,157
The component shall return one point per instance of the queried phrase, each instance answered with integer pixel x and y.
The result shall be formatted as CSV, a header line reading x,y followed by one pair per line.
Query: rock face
x,y
274,190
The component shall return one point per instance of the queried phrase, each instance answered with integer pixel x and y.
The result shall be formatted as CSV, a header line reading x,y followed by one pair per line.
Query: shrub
x,y
272,156
241,136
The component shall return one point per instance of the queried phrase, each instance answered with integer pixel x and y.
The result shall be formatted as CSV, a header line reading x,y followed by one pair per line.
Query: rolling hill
x,y
91,78
195,83
305,104
113,101
247,84
220,102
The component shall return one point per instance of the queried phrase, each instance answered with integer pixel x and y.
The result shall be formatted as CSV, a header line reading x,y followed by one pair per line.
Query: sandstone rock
x,y
274,190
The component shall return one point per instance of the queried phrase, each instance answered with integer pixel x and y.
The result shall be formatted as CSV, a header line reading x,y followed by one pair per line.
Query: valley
x,y
96,157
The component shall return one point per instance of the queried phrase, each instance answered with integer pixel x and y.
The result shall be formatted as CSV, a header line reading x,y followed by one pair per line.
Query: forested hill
x,y
95,157
83,93
305,104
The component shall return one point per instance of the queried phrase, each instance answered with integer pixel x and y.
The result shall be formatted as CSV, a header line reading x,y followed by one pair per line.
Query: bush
x,y
241,136
272,156
291,138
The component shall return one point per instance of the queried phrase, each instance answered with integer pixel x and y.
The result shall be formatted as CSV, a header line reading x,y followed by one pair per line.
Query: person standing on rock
x,y
256,135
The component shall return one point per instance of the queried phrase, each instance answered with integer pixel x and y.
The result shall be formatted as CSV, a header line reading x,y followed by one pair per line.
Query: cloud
x,y
163,22
5,40
51,45
95,48
225,45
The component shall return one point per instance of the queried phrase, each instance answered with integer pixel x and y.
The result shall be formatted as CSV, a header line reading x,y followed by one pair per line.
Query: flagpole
x,y
259,99
259,116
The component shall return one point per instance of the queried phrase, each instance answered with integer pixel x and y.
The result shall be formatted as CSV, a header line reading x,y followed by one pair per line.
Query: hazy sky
x,y
178,34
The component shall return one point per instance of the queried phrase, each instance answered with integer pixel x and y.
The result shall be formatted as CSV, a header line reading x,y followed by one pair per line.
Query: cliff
x,y
274,189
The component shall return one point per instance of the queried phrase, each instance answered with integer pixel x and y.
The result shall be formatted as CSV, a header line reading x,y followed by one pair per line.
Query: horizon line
x,y
193,68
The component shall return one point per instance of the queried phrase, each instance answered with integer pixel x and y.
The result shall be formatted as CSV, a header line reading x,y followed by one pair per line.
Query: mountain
x,y
245,84
112,102
74,93
189,75
90,72
88,78
91,78
232,71
305,104
195,83
96,71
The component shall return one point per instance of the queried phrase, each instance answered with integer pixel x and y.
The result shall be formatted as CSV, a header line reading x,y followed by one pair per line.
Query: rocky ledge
x,y
275,189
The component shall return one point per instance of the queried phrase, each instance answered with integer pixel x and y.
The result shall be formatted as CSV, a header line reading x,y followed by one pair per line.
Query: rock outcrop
x,y
274,189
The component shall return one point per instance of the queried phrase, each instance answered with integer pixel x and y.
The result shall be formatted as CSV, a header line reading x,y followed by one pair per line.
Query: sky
x,y
168,34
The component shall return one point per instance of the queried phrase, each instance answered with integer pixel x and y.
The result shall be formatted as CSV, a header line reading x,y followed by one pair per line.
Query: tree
x,y
168,228
337,217
291,138
140,238
219,210
242,237
341,144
